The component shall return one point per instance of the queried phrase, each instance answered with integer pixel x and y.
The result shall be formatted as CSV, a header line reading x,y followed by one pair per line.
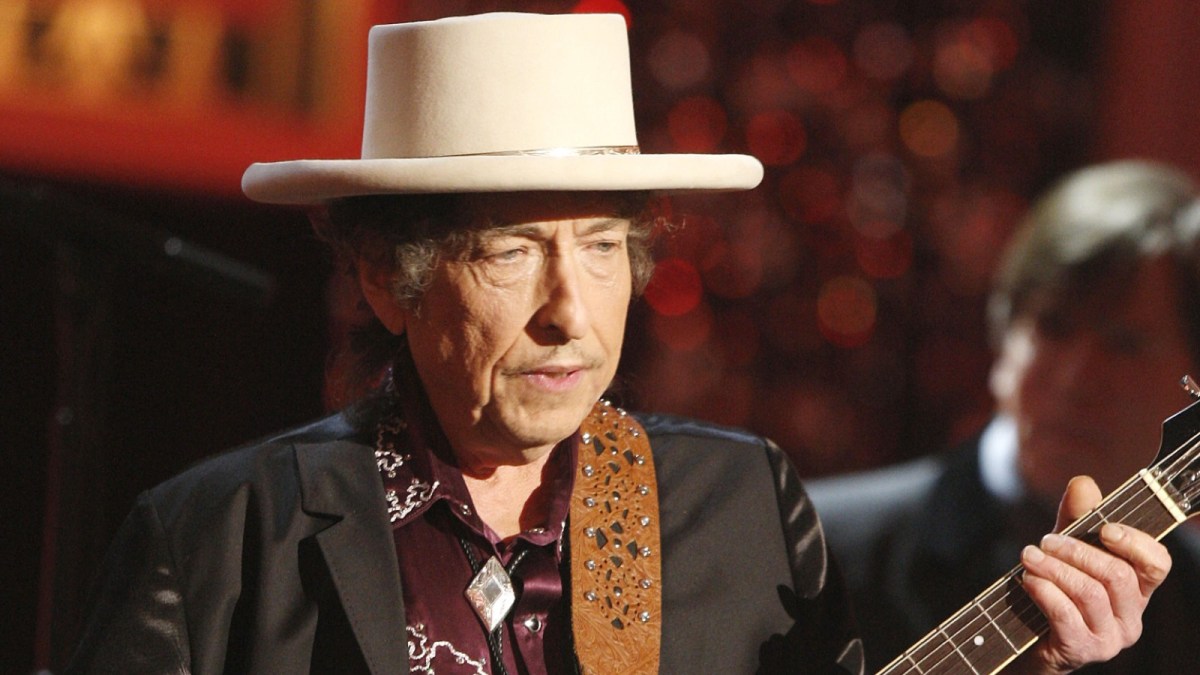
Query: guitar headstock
x,y
1177,466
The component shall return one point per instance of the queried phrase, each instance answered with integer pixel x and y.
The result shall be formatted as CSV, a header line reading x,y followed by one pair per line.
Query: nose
x,y
563,314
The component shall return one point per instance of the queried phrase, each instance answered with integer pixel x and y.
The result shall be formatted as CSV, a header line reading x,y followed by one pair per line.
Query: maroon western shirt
x,y
432,515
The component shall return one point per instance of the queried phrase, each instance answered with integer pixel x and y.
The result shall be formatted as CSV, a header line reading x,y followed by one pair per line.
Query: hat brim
x,y
318,181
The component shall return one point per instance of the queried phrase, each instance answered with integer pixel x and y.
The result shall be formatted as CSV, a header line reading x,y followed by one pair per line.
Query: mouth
x,y
553,377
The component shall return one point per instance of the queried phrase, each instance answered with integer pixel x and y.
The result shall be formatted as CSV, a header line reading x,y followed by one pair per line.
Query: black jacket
x,y
278,557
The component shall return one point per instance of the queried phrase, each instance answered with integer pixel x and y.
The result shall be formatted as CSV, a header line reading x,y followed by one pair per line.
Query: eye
x,y
507,256
606,246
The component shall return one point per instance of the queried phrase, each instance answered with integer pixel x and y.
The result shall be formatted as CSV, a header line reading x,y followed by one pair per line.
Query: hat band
x,y
561,152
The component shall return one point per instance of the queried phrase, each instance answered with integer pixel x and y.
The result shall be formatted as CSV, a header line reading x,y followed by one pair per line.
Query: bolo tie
x,y
492,596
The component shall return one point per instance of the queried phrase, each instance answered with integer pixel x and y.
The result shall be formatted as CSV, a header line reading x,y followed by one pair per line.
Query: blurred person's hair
x,y
1091,233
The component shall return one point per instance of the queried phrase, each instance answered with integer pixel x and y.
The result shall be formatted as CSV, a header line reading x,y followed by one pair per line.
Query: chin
x,y
534,429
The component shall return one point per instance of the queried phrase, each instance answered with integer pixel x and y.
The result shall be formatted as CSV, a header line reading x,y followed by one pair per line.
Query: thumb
x,y
1082,495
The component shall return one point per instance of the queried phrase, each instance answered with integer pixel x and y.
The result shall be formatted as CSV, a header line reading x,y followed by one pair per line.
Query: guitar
x,y
1002,622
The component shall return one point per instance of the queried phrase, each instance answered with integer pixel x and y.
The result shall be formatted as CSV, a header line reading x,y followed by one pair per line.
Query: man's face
x,y
517,340
1090,386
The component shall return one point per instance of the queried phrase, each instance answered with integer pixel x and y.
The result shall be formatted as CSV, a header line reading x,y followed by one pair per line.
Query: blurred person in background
x,y
1095,313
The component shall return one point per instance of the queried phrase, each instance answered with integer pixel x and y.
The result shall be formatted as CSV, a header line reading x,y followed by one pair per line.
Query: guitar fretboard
x,y
1002,622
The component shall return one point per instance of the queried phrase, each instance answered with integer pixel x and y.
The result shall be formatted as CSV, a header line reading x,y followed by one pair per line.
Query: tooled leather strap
x,y
616,603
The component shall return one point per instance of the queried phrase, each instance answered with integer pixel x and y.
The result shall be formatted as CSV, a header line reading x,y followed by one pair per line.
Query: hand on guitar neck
x,y
1078,597
1092,597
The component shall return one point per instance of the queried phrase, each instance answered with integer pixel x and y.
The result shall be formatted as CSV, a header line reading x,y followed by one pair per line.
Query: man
x,y
1096,318
484,510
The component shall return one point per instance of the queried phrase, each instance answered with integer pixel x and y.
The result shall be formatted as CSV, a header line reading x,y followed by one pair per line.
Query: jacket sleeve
x,y
136,623
824,631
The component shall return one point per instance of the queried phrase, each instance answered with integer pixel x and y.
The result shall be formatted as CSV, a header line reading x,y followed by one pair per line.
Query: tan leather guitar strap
x,y
616,576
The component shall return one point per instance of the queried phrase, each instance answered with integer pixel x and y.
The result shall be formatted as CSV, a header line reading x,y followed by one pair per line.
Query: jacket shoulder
x,y
261,467
670,429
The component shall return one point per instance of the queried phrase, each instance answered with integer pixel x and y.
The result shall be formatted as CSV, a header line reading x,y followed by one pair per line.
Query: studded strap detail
x,y
615,570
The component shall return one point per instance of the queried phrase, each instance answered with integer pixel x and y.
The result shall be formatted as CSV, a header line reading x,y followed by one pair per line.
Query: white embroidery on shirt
x,y
418,494
421,654
390,460
386,456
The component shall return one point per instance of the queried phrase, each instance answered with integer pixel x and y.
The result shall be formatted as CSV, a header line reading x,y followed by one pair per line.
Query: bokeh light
x,y
675,288
817,65
929,129
776,137
733,269
883,51
679,60
878,194
846,310
683,332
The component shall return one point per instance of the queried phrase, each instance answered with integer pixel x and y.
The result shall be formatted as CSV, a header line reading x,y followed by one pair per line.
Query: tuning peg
x,y
1189,385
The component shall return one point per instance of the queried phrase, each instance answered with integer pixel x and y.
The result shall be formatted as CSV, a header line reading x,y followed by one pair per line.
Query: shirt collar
x,y
998,460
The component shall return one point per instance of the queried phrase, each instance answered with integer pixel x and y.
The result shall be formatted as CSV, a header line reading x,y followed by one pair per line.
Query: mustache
x,y
556,358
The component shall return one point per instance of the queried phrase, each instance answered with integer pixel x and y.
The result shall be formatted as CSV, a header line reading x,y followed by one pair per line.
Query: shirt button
x,y
466,509
533,624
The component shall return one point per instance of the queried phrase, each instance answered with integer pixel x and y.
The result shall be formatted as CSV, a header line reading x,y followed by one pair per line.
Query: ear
x,y
376,282
1008,367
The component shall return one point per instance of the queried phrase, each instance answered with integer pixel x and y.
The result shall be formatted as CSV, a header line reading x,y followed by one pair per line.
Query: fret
x,y
957,650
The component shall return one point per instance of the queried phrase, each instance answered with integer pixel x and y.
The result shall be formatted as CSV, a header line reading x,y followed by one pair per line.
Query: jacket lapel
x,y
341,481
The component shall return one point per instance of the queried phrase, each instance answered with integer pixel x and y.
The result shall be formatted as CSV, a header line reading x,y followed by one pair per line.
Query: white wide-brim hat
x,y
502,102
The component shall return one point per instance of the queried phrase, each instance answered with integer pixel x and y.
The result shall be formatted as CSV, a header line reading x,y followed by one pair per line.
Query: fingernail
x,y
1053,542
1032,554
1111,533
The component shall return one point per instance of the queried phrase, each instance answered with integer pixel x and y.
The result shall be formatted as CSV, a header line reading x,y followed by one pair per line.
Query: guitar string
x,y
1172,469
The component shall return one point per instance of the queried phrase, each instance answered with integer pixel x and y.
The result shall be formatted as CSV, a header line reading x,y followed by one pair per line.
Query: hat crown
x,y
497,84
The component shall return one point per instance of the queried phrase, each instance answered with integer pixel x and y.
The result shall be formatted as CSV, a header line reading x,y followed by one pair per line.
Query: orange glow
x,y
776,137
675,288
962,69
697,124
846,311
136,94
929,128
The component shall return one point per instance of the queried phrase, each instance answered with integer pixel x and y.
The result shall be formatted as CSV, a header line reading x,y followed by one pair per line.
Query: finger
x,y
1082,495
1150,559
1079,572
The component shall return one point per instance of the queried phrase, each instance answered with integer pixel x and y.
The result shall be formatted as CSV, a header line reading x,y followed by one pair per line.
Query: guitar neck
x,y
1002,622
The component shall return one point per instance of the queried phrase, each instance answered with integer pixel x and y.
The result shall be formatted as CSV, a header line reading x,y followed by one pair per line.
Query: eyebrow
x,y
532,230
